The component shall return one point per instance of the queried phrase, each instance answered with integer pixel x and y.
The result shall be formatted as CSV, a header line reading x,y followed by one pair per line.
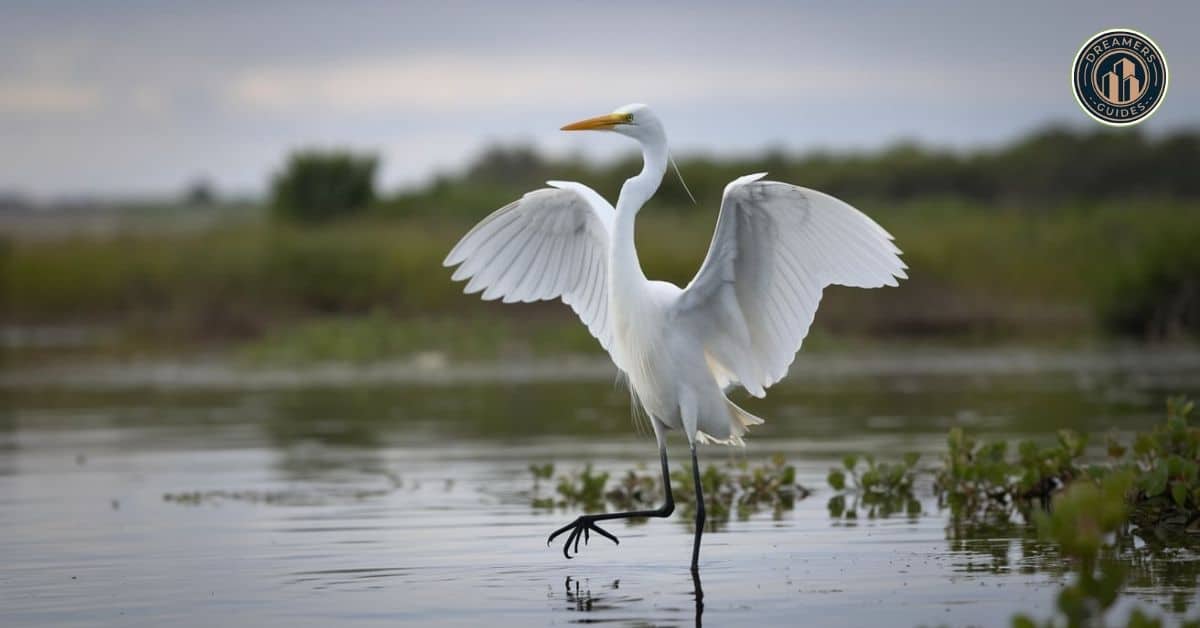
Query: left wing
x,y
775,248
548,244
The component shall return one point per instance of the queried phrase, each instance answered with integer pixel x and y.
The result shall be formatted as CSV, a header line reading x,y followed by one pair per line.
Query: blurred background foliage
x,y
1046,170
1062,236
322,185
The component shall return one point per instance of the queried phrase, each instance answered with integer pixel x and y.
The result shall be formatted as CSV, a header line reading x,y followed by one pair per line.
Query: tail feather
x,y
739,422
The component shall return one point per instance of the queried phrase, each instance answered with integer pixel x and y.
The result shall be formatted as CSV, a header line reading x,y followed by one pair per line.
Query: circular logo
x,y
1119,77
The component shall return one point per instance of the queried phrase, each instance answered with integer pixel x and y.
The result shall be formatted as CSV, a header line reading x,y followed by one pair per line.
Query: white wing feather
x,y
550,243
775,248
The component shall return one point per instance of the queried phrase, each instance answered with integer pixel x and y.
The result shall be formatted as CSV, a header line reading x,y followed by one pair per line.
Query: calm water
x,y
409,503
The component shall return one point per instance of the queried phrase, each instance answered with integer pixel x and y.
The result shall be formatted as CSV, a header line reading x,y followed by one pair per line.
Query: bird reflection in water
x,y
580,598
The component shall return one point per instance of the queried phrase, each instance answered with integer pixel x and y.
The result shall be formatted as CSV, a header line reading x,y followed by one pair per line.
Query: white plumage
x,y
740,321
775,249
551,243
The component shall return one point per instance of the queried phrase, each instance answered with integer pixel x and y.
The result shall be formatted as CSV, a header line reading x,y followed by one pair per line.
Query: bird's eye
x,y
629,118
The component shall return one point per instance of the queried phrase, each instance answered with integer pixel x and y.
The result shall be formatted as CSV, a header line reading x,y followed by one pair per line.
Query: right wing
x,y
776,247
550,243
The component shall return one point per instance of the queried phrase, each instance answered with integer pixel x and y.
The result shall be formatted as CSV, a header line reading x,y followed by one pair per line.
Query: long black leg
x,y
699,511
582,527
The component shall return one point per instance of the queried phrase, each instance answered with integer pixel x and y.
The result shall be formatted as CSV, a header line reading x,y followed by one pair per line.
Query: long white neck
x,y
623,260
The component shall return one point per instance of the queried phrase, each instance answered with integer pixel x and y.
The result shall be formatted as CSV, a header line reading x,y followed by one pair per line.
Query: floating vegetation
x,y
1165,464
981,482
1106,526
1086,522
740,489
1082,518
638,489
1088,514
734,489
584,489
880,489
314,496
274,498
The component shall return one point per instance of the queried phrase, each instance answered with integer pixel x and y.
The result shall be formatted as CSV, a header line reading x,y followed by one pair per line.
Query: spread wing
x,y
775,249
550,243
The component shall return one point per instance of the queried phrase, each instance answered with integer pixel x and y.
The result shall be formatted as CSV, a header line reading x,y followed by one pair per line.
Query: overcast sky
x,y
141,97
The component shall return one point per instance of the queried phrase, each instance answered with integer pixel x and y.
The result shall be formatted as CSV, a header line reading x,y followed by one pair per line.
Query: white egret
x,y
739,322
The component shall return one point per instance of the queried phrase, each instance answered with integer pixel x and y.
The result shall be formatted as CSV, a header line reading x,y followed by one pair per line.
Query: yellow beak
x,y
600,123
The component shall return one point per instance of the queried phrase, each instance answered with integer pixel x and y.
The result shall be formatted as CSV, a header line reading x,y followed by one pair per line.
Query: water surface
x,y
407,502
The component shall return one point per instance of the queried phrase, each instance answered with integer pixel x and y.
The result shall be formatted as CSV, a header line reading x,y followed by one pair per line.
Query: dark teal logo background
x,y
1119,77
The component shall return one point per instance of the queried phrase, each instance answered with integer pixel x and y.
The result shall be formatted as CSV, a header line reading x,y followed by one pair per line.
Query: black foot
x,y
580,528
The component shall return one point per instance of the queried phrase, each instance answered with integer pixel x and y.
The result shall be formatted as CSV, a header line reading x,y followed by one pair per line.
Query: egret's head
x,y
636,121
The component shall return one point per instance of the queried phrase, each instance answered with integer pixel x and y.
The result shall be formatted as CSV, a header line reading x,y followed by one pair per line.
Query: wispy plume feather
x,y
680,175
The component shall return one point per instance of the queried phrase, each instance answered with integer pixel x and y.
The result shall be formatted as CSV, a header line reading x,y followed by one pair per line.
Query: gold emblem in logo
x,y
1120,85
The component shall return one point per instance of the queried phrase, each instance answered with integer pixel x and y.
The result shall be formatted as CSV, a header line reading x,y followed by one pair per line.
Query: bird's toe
x,y
605,533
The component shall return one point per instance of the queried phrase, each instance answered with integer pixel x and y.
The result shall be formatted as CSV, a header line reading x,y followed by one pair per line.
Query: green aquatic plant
x,y
1166,462
541,473
981,481
1089,514
584,489
720,493
738,489
1081,520
636,490
1108,524
1086,523
774,482
879,488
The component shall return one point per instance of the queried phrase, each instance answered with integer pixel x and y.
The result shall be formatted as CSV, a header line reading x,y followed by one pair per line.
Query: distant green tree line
x,y
1061,229
1054,167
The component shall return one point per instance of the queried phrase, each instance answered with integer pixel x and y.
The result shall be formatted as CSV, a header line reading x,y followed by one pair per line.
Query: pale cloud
x,y
44,97
121,96
458,83
149,99
442,83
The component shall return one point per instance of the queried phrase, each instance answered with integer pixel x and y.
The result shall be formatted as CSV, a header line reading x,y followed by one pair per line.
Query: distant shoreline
x,y
1173,365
